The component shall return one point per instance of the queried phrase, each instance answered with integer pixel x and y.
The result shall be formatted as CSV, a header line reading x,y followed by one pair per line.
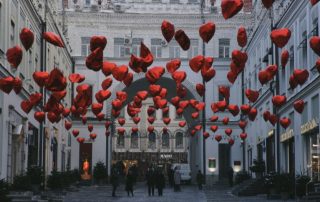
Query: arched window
x,y
152,140
120,141
134,140
179,140
165,140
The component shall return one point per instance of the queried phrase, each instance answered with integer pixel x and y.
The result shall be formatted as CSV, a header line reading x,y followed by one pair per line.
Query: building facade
x,y
20,134
126,24
296,149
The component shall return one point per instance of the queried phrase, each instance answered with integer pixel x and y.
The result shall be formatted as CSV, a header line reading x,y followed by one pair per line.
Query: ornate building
x,y
126,24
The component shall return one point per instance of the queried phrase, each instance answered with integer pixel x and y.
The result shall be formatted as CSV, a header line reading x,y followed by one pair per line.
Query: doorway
x,y
224,161
85,156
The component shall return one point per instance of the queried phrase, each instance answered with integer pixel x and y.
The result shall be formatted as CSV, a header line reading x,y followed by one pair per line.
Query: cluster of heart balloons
x,y
56,82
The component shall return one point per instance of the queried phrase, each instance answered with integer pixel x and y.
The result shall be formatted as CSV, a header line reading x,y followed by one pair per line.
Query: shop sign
x,y
286,136
166,156
309,126
271,133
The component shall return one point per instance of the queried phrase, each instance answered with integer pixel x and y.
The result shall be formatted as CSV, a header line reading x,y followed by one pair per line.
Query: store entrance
x,y
224,161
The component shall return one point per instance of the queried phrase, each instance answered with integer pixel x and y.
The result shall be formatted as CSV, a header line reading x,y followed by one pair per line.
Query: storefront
x,y
311,136
287,140
270,147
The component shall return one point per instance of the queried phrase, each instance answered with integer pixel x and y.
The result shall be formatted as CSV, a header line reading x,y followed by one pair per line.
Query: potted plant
x,y
36,178
99,172
258,168
301,184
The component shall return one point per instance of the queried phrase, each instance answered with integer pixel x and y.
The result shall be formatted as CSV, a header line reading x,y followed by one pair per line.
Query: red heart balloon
x,y
284,58
239,58
206,135
200,106
245,109
150,129
252,114
128,80
230,8
233,109
232,77
285,122
84,120
183,104
224,91
154,89
299,106
179,111
121,95
154,74
121,131
208,75
198,127
218,138
197,63
40,78
93,136
26,38
108,67
59,95
181,91
214,118
273,119
96,108
200,89
39,116
150,111
143,95
17,85
120,72
242,37
165,130
100,116
214,128
14,56
195,115
301,75
102,95
81,140
267,3
315,44
173,65
107,133
53,38
252,95
222,105
243,136
225,120
26,106
106,83
231,142
206,31
52,117
95,60
175,101
314,2
228,131
193,132
134,129
161,103
151,119
179,76
272,71
56,81
98,42
318,65
279,100
163,93
7,84
76,78
280,37
35,98
182,124
107,124
66,112
167,29
266,115
242,124
136,119
293,82
182,39
166,120
75,132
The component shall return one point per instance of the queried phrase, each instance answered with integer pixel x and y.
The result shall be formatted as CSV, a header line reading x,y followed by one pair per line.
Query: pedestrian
x,y
129,182
199,179
170,175
150,176
177,179
114,180
230,176
160,182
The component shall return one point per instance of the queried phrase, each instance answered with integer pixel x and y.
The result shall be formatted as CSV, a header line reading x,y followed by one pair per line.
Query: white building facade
x,y
126,24
299,143
20,134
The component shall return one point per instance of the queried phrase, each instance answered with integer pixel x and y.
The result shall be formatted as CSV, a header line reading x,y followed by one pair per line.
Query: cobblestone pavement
x,y
215,193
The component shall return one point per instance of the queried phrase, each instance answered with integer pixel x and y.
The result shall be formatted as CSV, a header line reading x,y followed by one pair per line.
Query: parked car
x,y
185,171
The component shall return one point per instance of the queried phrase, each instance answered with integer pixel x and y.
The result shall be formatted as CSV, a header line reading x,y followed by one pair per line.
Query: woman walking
x,y
129,183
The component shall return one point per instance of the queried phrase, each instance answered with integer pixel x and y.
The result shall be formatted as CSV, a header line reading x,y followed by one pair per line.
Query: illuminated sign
x,y
287,135
309,126
212,164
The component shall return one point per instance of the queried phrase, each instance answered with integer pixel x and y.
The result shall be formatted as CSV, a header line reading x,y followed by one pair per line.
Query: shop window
x,y
152,140
134,140
179,140
165,140
120,141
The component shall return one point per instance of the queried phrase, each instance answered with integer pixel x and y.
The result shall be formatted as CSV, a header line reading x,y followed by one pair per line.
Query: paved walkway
x,y
216,193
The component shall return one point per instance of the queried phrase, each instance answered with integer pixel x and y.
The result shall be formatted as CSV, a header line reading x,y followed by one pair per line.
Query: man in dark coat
x,y
160,182
230,176
199,179
114,180
129,182
150,176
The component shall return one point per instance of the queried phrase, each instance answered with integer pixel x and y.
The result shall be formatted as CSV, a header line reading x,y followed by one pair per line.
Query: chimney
x,y
247,7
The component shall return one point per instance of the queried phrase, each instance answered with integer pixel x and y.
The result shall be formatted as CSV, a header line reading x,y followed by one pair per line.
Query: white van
x,y
184,170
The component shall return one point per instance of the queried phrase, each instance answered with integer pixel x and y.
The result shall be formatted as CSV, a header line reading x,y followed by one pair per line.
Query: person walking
x,y
177,179
150,176
129,182
160,182
170,175
230,176
114,180
199,179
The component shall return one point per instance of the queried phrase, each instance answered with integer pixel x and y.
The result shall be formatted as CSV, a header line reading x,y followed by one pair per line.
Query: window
x,y
126,47
12,34
315,107
156,47
87,2
136,42
304,116
85,46
224,48
120,141
194,48
174,49
178,116
304,51
165,140
119,50
179,140
134,140
152,140
174,1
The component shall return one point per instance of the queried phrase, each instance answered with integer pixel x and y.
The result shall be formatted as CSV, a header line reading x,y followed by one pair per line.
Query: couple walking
x,y
155,178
